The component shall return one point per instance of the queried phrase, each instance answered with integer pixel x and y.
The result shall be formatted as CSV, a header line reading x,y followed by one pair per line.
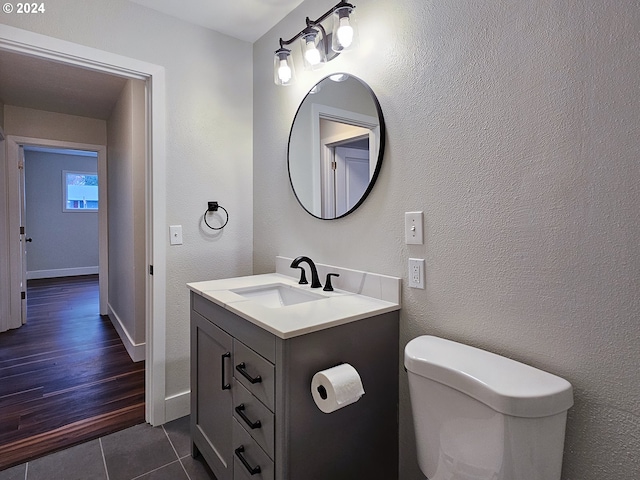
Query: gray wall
x,y
64,243
514,126
126,210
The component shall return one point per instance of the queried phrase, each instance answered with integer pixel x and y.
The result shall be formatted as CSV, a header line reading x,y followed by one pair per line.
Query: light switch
x,y
175,233
413,228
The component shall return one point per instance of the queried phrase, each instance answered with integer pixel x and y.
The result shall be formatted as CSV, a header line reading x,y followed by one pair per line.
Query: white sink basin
x,y
277,295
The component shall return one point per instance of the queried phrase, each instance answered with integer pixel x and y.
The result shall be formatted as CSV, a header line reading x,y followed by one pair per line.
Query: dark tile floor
x,y
141,453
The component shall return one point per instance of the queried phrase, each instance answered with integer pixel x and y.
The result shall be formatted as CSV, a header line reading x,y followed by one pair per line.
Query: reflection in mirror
x,y
335,146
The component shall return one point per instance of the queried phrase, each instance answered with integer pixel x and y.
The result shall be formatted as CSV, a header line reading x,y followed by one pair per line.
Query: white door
x,y
24,239
351,176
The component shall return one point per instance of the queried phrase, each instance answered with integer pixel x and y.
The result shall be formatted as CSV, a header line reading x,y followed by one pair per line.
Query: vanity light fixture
x,y
316,47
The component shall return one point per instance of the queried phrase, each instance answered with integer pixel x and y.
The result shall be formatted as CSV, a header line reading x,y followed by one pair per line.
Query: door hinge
x,y
23,295
21,230
20,165
333,165
150,269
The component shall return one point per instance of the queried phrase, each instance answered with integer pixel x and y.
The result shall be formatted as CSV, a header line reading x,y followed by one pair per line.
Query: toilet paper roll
x,y
336,387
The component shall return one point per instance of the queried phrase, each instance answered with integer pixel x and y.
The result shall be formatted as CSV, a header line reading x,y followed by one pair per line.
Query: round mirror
x,y
335,146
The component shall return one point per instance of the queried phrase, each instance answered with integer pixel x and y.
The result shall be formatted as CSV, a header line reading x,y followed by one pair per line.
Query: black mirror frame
x,y
374,177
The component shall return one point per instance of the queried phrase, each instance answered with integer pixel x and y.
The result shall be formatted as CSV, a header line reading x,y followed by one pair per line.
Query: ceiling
x,y
40,84
244,19
31,82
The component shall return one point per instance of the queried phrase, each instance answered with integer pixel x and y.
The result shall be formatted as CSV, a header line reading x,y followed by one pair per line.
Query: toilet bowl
x,y
480,416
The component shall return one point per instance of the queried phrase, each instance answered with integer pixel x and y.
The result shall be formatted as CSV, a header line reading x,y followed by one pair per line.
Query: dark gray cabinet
x,y
265,425
211,429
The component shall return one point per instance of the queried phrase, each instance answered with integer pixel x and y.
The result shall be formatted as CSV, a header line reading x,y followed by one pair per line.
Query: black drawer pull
x,y
240,411
241,367
225,386
250,469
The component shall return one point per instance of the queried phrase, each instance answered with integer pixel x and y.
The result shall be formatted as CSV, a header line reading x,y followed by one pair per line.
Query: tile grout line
x,y
176,452
26,470
104,460
155,470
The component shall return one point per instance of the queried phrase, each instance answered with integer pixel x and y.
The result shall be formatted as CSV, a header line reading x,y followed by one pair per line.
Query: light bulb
x,y
311,53
284,71
345,32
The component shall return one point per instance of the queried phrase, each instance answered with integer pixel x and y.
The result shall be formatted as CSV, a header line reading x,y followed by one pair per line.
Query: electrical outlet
x,y
175,234
416,273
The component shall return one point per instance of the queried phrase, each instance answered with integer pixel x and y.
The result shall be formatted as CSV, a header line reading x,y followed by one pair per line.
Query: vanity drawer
x,y
245,404
248,366
247,455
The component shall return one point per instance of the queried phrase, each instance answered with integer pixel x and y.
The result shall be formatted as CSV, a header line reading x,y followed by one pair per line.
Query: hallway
x,y
65,376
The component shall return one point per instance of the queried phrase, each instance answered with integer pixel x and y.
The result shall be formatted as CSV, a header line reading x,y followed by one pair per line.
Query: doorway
x,y
62,238
345,147
347,176
67,53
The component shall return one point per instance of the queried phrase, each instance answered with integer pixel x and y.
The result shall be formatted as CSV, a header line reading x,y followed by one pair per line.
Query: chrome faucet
x,y
315,281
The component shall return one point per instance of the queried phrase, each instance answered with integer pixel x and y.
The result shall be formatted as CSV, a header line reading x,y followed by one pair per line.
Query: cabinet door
x,y
211,399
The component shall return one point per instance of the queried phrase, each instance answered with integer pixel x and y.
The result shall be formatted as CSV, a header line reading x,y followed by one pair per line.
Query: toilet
x,y
480,416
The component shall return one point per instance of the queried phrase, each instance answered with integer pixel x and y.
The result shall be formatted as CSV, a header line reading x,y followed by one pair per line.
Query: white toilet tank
x,y
480,416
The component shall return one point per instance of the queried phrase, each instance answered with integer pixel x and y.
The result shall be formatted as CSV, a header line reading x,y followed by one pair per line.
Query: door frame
x,y
320,146
36,45
328,187
16,180
344,172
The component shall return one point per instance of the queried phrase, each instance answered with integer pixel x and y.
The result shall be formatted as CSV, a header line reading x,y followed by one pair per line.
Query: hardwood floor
x,y
65,376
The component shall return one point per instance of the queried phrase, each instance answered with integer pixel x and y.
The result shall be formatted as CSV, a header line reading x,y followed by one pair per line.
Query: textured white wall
x,y
514,127
209,148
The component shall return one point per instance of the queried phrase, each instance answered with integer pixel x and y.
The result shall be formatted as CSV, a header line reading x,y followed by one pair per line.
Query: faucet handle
x,y
327,284
303,277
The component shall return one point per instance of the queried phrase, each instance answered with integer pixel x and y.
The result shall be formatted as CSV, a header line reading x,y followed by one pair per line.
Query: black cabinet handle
x,y
241,367
240,411
250,469
225,386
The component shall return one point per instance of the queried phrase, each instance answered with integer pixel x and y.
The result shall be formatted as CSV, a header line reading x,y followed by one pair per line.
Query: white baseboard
x,y
135,350
62,272
177,406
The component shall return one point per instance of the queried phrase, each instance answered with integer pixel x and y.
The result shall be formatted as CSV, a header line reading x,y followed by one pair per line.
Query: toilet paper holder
x,y
336,387
322,392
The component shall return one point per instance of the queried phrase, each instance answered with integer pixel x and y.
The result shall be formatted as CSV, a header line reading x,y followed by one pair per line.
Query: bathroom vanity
x,y
252,361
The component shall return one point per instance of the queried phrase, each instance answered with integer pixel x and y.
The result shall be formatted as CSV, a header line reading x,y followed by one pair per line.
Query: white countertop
x,y
337,308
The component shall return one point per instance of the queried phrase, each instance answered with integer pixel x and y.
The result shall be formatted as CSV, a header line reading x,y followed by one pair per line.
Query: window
x,y
80,191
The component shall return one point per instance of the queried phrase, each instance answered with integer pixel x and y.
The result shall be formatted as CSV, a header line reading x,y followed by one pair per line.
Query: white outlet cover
x,y
175,234
416,273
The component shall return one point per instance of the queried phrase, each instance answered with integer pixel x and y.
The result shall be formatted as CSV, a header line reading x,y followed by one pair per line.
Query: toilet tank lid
x,y
507,386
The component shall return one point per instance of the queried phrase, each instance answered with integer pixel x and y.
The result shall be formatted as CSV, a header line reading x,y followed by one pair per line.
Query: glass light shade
x,y
284,72
345,33
313,50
